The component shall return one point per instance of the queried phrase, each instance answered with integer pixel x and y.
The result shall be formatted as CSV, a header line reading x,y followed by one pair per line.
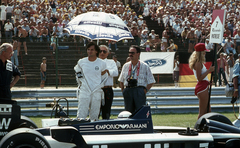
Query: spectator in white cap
x,y
166,19
208,45
140,21
152,34
144,37
175,27
17,13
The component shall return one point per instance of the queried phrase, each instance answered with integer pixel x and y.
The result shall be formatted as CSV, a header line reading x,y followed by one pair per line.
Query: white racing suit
x,y
88,100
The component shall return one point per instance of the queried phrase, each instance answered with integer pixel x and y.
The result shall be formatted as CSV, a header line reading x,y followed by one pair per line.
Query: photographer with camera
x,y
137,79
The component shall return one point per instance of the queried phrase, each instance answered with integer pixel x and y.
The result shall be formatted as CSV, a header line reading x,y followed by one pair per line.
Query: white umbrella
x,y
99,25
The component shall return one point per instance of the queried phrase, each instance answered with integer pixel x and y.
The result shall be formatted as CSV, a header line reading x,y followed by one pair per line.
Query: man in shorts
x,y
43,70
22,34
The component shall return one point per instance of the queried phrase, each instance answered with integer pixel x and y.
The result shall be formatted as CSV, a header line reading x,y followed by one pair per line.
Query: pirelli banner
x,y
159,62
186,76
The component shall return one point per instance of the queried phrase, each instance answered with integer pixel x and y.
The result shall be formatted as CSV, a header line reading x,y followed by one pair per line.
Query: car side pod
x,y
68,134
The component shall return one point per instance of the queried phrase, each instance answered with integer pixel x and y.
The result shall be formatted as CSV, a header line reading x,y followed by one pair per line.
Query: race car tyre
x,y
28,123
213,116
232,143
24,138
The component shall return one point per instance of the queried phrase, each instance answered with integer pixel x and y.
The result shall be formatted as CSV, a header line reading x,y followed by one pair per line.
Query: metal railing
x,y
161,100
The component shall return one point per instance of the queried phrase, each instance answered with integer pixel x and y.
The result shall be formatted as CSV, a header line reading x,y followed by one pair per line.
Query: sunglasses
x,y
131,53
104,51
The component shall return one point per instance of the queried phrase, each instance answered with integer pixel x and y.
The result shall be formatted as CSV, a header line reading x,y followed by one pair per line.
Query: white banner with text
x,y
159,62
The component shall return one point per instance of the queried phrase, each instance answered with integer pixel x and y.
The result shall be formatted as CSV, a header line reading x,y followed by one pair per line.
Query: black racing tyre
x,y
24,138
232,143
28,123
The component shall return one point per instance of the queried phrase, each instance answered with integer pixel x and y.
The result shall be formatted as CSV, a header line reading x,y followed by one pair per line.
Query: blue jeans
x,y
221,71
44,37
230,49
15,58
8,35
33,37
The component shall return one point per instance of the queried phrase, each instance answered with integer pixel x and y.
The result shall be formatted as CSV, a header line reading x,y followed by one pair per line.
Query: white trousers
x,y
89,102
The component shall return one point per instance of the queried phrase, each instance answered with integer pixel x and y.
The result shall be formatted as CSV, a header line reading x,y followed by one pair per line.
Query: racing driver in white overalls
x,y
91,75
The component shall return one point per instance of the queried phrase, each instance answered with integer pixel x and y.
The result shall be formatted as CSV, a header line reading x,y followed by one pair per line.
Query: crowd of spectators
x,y
43,19
185,22
188,20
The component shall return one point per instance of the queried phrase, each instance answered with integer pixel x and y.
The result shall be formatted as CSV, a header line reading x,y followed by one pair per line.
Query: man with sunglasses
x,y
91,75
7,71
112,71
135,79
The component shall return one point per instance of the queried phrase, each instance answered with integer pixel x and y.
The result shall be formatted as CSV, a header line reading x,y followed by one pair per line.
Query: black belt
x,y
136,86
107,87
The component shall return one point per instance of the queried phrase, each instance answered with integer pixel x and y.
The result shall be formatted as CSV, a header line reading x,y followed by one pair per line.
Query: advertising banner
x,y
159,62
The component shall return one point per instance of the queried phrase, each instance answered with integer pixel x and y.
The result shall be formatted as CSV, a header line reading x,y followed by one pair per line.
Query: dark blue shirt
x,y
7,71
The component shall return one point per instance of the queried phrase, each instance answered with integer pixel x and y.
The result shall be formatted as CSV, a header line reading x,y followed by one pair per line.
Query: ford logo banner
x,y
155,62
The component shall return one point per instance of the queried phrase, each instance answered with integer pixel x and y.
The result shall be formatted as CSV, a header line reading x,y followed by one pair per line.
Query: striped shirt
x,y
144,78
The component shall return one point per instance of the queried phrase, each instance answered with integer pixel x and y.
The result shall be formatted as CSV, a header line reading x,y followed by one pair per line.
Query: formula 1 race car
x,y
128,130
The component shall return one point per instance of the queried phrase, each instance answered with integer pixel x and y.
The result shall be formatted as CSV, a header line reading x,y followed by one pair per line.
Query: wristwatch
x,y
235,89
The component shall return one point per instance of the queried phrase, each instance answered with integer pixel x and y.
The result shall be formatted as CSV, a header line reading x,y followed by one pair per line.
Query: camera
x,y
234,99
132,82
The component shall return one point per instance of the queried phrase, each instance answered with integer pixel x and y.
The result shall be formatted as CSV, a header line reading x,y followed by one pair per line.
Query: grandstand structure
x,y
60,65
60,70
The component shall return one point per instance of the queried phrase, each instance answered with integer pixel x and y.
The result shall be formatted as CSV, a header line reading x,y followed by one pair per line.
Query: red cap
x,y
200,47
